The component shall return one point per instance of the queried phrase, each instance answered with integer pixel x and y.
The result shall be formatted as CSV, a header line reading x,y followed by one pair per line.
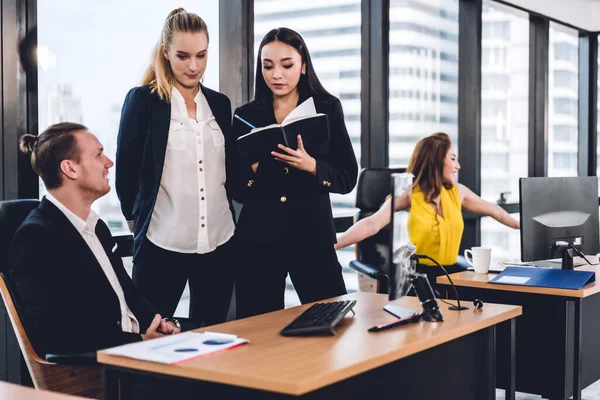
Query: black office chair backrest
x,y
12,215
374,185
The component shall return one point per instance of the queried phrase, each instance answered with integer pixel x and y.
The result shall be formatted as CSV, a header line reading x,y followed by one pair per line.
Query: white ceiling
x,y
584,14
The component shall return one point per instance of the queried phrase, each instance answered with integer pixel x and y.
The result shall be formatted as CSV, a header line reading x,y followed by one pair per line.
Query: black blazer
x,y
306,208
66,302
141,148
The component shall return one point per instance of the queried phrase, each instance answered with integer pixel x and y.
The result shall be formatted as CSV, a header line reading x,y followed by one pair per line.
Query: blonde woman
x,y
170,176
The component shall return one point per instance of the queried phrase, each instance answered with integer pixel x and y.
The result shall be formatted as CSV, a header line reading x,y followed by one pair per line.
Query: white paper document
x,y
518,280
177,348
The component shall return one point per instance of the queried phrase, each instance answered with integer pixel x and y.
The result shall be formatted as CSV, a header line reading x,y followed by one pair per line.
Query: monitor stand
x,y
567,259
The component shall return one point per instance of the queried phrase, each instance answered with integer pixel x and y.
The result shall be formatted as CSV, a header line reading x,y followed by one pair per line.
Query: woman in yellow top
x,y
435,220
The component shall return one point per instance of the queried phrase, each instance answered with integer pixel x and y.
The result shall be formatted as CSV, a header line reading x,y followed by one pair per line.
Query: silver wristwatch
x,y
173,320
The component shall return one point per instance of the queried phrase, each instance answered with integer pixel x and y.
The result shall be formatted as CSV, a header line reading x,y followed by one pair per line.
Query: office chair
x,y
372,254
12,215
76,374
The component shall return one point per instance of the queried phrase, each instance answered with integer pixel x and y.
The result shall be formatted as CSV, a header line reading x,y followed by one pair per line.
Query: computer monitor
x,y
557,216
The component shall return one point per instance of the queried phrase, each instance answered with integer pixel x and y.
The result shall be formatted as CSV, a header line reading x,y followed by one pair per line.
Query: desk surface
x,y
471,279
9,391
297,365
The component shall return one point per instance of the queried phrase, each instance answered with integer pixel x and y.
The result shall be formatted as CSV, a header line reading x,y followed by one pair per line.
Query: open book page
x,y
306,109
177,348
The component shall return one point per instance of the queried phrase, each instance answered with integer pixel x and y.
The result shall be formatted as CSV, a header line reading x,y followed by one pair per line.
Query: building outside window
x,y
563,99
504,117
423,82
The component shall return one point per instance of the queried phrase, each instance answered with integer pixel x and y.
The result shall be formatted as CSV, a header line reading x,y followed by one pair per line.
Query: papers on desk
x,y
178,348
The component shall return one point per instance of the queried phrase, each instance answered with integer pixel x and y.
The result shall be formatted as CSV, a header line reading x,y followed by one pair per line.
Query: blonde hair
x,y
159,74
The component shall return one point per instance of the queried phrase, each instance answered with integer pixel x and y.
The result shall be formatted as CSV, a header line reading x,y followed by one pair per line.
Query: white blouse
x,y
192,214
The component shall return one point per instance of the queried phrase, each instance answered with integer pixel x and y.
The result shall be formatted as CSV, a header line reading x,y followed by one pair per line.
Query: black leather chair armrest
x,y
366,269
73,359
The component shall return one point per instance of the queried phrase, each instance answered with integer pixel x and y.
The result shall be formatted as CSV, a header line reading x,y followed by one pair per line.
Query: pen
x,y
411,320
244,121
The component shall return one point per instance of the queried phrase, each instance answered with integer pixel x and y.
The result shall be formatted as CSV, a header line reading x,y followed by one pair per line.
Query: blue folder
x,y
543,277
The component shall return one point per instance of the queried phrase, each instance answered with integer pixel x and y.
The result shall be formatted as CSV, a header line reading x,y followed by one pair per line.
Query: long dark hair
x,y
309,84
427,164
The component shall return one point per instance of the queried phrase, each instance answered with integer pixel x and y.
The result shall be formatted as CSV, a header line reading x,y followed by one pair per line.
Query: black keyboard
x,y
319,318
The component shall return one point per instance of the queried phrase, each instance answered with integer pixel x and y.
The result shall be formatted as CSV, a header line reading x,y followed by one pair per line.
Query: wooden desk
x,y
557,336
9,391
412,360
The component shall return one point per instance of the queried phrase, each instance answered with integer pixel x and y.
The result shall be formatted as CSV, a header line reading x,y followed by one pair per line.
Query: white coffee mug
x,y
479,258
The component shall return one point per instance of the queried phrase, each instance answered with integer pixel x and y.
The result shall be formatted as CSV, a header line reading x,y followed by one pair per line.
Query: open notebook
x,y
258,144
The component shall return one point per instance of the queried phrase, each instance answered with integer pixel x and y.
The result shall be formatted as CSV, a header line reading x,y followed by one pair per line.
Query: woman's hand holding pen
x,y
298,159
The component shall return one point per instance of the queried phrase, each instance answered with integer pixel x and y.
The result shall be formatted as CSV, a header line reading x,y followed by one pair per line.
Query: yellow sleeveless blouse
x,y
433,235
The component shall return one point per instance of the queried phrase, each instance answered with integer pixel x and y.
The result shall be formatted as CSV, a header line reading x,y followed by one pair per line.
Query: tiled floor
x,y
592,392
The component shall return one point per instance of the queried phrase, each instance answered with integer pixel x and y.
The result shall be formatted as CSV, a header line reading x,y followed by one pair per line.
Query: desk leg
x,y
578,351
110,384
512,363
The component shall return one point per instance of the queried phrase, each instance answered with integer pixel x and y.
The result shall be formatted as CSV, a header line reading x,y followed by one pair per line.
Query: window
x,y
566,79
504,117
90,56
565,52
564,161
565,133
504,241
494,55
423,64
496,30
504,102
331,30
565,106
563,99
598,126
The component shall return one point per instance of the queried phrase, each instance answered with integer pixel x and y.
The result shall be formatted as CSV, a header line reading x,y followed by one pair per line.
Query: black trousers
x,y
161,275
262,270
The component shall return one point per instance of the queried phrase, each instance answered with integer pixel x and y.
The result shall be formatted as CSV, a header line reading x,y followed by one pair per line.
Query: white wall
x,y
584,14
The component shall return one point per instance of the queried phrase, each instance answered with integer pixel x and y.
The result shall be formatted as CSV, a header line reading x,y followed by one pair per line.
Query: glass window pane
x,y
504,241
504,101
331,30
563,98
598,122
89,57
423,73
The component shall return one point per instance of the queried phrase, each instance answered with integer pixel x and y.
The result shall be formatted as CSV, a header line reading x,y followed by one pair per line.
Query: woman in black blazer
x,y
286,224
170,176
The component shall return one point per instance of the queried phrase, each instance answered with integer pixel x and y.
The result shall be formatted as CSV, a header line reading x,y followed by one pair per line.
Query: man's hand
x,y
299,159
152,331
168,328
254,167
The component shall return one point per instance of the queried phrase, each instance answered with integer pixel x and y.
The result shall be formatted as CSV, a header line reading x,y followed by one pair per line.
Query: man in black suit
x,y
72,290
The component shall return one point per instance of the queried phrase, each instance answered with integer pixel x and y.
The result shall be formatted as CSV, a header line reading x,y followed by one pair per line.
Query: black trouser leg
x,y
316,274
211,284
160,276
260,281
